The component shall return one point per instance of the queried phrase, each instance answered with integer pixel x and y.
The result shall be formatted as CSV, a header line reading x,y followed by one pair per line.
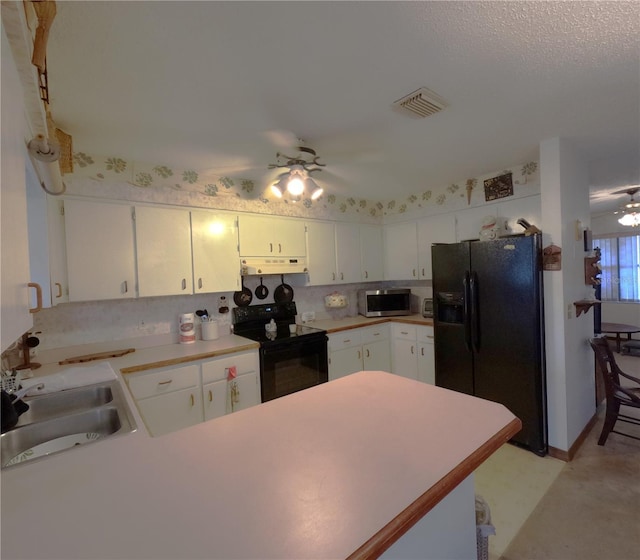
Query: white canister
x,y
209,330
187,328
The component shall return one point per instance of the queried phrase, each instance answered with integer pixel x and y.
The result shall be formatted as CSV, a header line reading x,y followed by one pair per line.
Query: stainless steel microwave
x,y
384,303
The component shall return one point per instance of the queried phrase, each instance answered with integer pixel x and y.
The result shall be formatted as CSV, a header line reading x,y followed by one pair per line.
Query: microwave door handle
x,y
466,312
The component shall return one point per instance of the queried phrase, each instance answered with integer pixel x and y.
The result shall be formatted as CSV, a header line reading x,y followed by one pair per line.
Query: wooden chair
x,y
616,394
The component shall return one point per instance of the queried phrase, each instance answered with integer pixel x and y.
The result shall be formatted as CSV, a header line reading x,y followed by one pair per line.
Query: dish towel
x,y
70,378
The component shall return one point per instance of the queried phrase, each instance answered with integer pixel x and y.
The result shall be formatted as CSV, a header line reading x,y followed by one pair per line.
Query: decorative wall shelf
x,y
584,305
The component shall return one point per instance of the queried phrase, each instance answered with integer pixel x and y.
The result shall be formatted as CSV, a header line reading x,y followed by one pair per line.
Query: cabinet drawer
x,y
425,334
165,380
345,339
406,332
375,333
215,370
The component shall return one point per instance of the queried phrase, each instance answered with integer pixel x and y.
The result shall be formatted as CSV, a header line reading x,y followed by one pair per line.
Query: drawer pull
x,y
422,351
404,332
368,354
59,286
200,283
346,340
184,283
165,382
210,395
192,399
412,351
376,334
429,336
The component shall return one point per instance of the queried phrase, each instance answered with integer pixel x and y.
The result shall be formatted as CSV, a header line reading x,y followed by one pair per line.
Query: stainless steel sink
x,y
59,421
44,407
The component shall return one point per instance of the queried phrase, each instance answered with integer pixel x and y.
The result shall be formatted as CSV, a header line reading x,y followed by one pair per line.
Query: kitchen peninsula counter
x,y
340,470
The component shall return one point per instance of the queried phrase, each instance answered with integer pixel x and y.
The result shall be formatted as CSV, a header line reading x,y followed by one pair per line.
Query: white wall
x,y
570,364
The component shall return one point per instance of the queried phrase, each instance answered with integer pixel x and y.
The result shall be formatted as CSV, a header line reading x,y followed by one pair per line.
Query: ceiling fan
x,y
297,179
631,210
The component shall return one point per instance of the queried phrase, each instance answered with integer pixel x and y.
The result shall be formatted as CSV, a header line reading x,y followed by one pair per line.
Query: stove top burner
x,y
250,322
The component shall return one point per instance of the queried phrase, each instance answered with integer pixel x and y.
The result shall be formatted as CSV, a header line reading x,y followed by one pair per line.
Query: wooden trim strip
x,y
406,519
567,456
191,358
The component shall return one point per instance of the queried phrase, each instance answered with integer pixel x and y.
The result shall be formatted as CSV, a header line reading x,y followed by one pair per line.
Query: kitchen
x,y
78,323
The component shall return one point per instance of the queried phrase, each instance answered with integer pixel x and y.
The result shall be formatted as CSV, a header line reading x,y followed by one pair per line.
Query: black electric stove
x,y
289,362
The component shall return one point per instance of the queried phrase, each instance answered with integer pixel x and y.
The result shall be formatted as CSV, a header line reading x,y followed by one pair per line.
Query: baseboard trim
x,y
569,455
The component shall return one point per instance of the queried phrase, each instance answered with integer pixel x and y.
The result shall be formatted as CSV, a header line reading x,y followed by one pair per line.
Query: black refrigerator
x,y
489,327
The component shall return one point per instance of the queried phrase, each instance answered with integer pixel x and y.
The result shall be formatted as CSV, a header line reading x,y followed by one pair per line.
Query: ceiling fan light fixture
x,y
276,191
631,219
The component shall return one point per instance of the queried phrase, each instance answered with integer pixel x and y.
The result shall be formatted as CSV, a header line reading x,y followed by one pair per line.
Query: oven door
x,y
293,365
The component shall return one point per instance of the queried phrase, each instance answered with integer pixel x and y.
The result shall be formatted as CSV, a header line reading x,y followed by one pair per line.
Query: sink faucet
x,y
22,392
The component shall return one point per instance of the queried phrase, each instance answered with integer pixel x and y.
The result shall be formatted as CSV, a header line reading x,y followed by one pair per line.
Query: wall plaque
x,y
498,187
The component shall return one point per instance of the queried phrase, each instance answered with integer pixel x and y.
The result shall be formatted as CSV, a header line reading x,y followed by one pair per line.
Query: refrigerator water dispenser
x,y
450,307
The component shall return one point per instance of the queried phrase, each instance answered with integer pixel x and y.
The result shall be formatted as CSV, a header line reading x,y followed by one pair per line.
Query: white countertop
x,y
314,474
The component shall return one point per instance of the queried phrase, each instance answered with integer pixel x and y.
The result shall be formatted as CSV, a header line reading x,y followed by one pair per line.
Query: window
x,y
620,261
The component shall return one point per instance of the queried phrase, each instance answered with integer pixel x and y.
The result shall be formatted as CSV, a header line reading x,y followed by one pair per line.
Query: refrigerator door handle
x,y
466,311
475,317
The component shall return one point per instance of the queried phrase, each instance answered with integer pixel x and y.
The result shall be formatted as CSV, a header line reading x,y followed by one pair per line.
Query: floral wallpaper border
x,y
216,191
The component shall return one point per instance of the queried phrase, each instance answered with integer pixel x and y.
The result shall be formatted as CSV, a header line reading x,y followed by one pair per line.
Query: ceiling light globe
x,y
295,186
317,193
632,219
275,190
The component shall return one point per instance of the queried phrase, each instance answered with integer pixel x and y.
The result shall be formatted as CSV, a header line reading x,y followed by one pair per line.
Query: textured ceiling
x,y
224,85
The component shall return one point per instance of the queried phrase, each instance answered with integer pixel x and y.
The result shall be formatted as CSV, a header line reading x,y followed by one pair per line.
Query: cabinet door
x,y
266,236
163,247
321,253
172,411
345,361
372,249
214,399
377,356
348,254
440,228
216,260
245,394
59,278
401,252
405,358
16,319
100,250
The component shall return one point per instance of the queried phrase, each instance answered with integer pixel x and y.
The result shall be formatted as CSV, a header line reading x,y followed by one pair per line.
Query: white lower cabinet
x,y
366,348
413,352
168,398
173,398
222,395
426,355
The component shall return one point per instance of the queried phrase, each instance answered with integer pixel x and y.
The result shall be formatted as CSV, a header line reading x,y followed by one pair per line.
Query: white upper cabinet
x,y
269,236
16,319
348,252
163,248
321,253
216,260
401,251
372,249
440,228
100,250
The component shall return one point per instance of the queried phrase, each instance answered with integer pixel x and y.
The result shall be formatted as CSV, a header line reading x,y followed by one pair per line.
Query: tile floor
x,y
543,508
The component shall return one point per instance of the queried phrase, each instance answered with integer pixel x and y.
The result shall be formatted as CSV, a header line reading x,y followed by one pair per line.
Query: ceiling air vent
x,y
420,103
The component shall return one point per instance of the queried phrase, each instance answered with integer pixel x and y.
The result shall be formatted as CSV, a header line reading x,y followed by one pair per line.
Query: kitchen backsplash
x,y
72,324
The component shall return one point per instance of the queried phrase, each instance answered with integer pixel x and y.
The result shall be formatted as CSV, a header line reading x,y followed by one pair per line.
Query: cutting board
x,y
97,356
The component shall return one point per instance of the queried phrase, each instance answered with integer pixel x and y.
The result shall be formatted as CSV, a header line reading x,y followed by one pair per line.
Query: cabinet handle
x,y
414,272
412,351
271,247
59,286
125,287
279,248
342,276
404,332
359,355
38,289
165,382
376,334
346,340
192,399
210,395
366,274
423,274
429,336
200,283
368,354
422,351
184,283
333,275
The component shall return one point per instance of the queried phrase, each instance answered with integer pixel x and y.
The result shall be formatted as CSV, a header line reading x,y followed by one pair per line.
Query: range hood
x,y
267,265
